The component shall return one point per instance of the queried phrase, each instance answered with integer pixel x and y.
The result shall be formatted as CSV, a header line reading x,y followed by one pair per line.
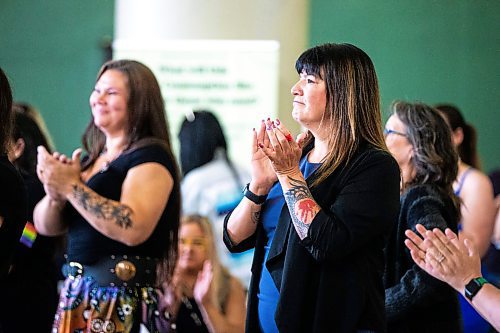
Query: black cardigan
x,y
412,294
332,280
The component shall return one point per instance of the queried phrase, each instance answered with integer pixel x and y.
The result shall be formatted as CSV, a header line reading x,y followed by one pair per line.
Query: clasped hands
x,y
444,255
275,152
57,172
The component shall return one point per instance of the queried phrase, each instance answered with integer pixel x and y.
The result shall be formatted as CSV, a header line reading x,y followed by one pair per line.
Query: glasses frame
x,y
388,131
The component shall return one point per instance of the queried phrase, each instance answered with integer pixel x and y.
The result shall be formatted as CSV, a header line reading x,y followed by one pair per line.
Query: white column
x,y
283,20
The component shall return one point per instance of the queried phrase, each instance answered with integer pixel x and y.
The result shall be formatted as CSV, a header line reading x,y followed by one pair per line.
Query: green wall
x,y
431,51
51,51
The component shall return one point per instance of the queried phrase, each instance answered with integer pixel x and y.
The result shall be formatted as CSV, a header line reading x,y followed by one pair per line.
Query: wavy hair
x,y
434,158
353,101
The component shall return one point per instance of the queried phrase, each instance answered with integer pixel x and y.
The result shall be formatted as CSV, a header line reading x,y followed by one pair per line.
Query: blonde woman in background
x,y
205,297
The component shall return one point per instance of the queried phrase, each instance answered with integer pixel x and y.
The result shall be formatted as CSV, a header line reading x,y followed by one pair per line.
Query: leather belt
x,y
120,271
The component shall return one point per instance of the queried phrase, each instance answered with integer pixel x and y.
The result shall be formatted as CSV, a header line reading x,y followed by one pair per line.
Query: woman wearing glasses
x,y
420,141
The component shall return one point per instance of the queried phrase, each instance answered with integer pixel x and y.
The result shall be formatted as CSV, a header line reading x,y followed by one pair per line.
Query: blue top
x,y
461,182
268,293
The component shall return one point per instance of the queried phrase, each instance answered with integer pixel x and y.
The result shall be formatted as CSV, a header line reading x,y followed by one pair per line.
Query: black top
x,y
13,209
415,301
332,280
32,283
86,245
189,318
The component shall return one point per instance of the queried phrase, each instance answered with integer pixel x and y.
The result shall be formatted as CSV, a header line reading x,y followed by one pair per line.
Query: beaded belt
x,y
120,271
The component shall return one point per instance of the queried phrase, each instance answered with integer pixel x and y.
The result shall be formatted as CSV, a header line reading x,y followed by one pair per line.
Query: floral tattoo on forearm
x,y
302,206
103,208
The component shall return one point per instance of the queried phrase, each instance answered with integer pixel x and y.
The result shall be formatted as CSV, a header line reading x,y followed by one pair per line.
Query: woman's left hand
x,y
57,172
284,152
203,287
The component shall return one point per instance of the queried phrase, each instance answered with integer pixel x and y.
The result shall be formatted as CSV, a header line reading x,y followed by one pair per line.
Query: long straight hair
x,y
352,101
220,288
147,124
467,150
5,112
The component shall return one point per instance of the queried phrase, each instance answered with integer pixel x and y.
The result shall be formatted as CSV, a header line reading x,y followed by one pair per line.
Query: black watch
x,y
473,287
256,199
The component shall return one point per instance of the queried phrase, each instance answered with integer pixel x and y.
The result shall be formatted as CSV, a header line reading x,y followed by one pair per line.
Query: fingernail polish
x,y
278,122
261,145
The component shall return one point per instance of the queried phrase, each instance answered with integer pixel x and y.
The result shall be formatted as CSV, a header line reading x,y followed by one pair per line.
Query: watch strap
x,y
256,199
473,287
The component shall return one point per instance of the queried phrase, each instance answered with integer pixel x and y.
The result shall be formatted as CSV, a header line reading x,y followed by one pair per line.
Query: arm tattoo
x,y
255,216
302,206
103,208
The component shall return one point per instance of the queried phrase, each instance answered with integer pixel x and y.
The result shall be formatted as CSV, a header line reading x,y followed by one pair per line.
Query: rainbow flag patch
x,y
29,235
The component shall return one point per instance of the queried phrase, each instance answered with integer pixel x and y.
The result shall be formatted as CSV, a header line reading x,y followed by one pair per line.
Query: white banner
x,y
235,79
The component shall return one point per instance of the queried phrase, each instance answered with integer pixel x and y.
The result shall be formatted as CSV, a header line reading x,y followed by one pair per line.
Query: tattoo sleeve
x,y
102,207
302,207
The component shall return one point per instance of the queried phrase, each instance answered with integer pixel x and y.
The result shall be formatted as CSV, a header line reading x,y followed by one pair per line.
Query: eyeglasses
x,y
194,242
389,131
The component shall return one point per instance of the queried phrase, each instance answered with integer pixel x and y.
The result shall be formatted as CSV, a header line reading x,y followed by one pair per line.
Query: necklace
x,y
193,314
107,162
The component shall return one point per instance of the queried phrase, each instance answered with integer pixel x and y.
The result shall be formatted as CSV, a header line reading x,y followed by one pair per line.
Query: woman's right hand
x,y
262,172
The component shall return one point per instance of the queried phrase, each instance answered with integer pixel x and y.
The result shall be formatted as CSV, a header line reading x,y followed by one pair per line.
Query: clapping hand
x,y
203,288
58,173
281,149
444,256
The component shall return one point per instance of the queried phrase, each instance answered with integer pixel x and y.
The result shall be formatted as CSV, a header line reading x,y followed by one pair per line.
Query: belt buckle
x,y
125,270
75,266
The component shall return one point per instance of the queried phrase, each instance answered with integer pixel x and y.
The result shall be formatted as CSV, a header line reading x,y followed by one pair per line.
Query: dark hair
x,y
435,160
147,124
200,136
467,149
5,112
353,100
27,129
33,113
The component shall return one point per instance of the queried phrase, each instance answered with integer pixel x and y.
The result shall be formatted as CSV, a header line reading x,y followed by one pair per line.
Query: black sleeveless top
x,y
86,245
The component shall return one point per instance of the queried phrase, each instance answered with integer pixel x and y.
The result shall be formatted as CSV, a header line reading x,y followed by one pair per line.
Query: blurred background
x,y
432,51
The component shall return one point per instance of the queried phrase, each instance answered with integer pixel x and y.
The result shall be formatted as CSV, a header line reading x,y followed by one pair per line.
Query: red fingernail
x,y
288,137
278,122
261,145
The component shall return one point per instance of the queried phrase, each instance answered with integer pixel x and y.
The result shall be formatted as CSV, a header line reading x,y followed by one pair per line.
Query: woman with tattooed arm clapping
x,y
120,207
318,209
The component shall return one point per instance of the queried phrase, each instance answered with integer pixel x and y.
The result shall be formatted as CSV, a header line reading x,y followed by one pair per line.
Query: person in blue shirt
x,y
317,209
